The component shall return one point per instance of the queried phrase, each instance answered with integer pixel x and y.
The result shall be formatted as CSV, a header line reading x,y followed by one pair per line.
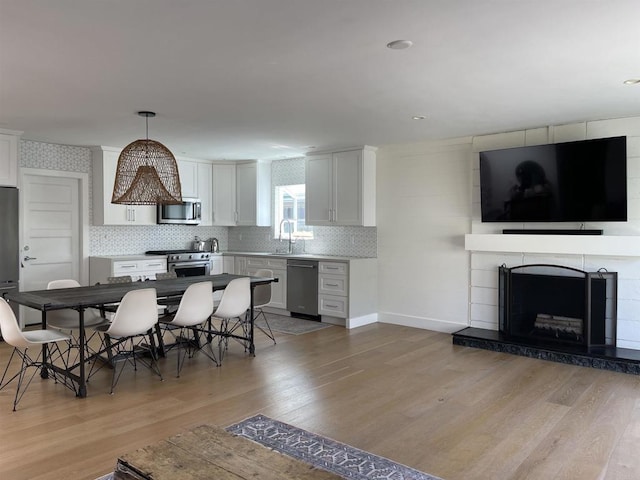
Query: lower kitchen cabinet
x,y
347,288
347,292
333,289
217,267
139,267
250,265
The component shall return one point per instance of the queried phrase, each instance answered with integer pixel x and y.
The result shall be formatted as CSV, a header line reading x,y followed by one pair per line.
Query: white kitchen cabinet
x,y
224,194
196,179
333,289
105,163
347,289
228,264
188,171
9,158
240,265
340,188
250,265
253,194
217,267
205,186
139,267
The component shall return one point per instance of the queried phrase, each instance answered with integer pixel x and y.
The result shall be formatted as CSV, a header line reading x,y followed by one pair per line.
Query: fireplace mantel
x,y
603,245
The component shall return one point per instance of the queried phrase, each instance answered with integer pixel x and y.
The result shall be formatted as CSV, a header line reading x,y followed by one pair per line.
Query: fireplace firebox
x,y
551,304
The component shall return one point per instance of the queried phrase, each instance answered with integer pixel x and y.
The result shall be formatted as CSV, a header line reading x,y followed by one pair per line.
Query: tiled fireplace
x,y
556,313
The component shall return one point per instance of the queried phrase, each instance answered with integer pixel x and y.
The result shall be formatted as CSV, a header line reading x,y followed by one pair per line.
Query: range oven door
x,y
190,269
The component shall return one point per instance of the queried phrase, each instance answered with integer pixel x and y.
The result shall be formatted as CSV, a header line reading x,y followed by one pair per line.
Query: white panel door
x,y
50,220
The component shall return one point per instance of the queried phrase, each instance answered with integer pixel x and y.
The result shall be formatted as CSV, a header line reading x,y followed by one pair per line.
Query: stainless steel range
x,y
186,263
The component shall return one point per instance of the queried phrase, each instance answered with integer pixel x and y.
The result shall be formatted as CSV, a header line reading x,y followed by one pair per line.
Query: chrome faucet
x,y
291,239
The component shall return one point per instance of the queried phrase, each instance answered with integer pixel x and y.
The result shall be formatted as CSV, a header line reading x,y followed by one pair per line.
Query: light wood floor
x,y
406,394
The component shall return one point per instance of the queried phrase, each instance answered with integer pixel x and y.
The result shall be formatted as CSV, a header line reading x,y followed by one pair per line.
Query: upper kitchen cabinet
x,y
253,194
9,157
105,163
205,194
196,181
188,171
224,194
341,188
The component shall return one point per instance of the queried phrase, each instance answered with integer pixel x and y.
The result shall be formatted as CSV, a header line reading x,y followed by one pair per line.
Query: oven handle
x,y
188,264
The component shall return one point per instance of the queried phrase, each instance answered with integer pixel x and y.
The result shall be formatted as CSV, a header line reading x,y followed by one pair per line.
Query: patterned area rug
x,y
322,452
290,325
335,457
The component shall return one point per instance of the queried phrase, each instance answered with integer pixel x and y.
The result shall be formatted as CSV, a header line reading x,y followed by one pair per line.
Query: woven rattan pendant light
x,y
147,173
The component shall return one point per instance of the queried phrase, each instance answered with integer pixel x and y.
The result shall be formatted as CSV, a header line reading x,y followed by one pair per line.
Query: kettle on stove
x,y
198,245
215,248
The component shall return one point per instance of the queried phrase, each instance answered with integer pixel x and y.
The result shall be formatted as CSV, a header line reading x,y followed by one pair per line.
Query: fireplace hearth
x,y
556,313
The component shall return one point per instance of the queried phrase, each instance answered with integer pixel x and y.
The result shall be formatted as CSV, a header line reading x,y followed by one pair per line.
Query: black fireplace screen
x,y
558,304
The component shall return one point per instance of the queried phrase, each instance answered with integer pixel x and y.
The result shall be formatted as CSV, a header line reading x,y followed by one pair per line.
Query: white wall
x,y
429,198
424,211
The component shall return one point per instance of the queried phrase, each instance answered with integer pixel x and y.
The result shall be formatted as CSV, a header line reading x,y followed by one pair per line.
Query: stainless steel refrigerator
x,y
9,249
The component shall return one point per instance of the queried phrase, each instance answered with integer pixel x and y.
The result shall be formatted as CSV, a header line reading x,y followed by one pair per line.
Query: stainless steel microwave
x,y
189,212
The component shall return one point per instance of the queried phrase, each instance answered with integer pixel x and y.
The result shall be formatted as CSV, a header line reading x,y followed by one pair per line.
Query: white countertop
x,y
130,258
309,256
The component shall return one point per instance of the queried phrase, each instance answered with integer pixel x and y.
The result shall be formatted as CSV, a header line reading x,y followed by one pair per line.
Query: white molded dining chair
x,y
195,308
132,324
261,298
234,304
66,320
22,342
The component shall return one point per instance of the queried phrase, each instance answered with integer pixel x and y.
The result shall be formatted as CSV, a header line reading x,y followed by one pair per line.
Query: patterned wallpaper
x,y
123,240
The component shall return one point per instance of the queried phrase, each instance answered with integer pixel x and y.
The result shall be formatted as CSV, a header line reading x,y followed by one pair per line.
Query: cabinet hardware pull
x,y
332,285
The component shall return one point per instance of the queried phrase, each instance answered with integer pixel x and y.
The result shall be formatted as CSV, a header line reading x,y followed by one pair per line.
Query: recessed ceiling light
x,y
399,44
419,117
632,81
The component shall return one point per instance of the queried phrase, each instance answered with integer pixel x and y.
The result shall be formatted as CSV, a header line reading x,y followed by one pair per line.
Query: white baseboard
x,y
361,321
333,320
420,322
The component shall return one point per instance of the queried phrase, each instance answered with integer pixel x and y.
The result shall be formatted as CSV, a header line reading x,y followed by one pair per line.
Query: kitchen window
x,y
289,205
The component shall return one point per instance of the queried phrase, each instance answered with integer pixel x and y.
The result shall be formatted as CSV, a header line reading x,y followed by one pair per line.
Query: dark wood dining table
x,y
81,298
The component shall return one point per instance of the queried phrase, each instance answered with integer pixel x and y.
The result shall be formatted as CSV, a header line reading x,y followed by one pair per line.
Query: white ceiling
x,y
267,79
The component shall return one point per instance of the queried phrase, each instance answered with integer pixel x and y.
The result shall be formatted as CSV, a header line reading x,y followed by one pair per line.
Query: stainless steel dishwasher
x,y
302,288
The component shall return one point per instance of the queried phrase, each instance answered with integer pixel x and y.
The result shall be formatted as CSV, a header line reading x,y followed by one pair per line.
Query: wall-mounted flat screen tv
x,y
562,182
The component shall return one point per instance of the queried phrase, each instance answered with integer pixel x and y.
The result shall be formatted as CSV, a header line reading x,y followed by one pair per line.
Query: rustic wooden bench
x,y
208,452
